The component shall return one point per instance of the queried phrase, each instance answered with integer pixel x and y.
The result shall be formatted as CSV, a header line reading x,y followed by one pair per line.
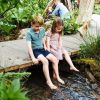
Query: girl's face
x,y
59,28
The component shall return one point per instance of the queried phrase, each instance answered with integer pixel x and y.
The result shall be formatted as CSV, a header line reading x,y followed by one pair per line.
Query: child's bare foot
x,y
51,85
60,80
74,69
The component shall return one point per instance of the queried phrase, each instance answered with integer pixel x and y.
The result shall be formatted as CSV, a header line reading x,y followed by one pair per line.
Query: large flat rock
x,y
14,54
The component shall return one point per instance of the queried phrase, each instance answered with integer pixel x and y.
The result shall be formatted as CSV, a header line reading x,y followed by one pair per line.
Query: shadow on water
x,y
77,87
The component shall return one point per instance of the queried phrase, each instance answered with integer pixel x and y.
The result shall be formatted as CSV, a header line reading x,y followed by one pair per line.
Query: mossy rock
x,y
94,65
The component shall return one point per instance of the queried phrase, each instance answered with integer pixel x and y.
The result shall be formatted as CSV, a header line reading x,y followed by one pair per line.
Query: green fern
x,y
12,91
10,87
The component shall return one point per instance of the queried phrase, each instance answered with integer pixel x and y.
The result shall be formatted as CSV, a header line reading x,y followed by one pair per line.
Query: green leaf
x,y
16,85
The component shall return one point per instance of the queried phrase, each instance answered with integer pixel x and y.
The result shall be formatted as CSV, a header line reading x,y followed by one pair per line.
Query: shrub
x,y
91,47
10,88
70,25
97,9
17,13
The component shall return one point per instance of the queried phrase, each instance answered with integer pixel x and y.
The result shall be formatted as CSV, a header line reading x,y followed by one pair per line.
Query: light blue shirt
x,y
60,10
35,38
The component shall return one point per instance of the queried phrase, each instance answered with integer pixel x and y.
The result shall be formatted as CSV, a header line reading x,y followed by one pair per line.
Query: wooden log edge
x,y
90,75
26,65
73,53
16,67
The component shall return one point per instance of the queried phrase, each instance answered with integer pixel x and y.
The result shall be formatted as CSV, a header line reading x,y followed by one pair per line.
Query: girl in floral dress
x,y
54,42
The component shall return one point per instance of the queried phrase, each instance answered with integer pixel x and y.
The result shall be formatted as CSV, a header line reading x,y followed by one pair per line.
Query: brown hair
x,y
57,22
37,19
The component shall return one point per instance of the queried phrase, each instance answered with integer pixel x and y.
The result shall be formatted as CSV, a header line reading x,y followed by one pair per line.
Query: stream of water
x,y
77,87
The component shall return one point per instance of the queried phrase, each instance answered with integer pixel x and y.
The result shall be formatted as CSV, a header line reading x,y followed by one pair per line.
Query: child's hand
x,y
49,9
48,49
45,48
35,61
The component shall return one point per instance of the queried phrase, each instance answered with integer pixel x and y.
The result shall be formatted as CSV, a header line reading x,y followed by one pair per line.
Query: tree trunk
x,y
85,10
85,15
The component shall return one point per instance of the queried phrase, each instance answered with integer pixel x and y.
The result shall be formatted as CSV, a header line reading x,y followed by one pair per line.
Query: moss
x,y
86,61
94,66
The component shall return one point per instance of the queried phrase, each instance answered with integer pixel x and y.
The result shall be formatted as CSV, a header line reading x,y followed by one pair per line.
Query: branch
x,y
2,14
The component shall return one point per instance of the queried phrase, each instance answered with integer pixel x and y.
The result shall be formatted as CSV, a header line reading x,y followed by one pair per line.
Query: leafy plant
x,y
91,47
13,75
97,9
16,14
7,5
90,53
10,88
5,27
70,25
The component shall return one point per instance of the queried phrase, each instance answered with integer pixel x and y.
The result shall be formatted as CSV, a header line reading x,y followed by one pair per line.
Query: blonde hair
x,y
37,19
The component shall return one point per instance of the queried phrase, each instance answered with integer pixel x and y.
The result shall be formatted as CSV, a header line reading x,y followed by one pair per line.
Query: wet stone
x,y
98,90
76,88
94,86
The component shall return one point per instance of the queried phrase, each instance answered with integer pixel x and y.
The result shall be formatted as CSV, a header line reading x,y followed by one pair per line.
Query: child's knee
x,y
45,61
65,52
54,60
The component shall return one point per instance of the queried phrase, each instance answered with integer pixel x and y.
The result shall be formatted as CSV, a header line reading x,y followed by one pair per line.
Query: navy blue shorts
x,y
39,51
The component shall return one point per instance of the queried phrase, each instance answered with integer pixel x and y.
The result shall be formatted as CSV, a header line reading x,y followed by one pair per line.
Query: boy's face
x,y
36,27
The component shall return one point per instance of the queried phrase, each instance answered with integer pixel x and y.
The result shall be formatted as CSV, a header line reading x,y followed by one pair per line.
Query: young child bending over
x,y
54,42
37,51
59,10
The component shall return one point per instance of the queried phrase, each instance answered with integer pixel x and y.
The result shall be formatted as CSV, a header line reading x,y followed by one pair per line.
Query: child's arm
x,y
48,43
50,4
35,61
44,42
60,42
48,36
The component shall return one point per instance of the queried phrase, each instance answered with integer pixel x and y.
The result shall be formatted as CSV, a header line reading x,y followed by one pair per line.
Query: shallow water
x,y
76,87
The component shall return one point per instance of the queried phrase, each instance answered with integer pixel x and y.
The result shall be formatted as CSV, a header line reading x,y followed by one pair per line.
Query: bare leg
x,y
54,75
68,59
54,60
46,71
